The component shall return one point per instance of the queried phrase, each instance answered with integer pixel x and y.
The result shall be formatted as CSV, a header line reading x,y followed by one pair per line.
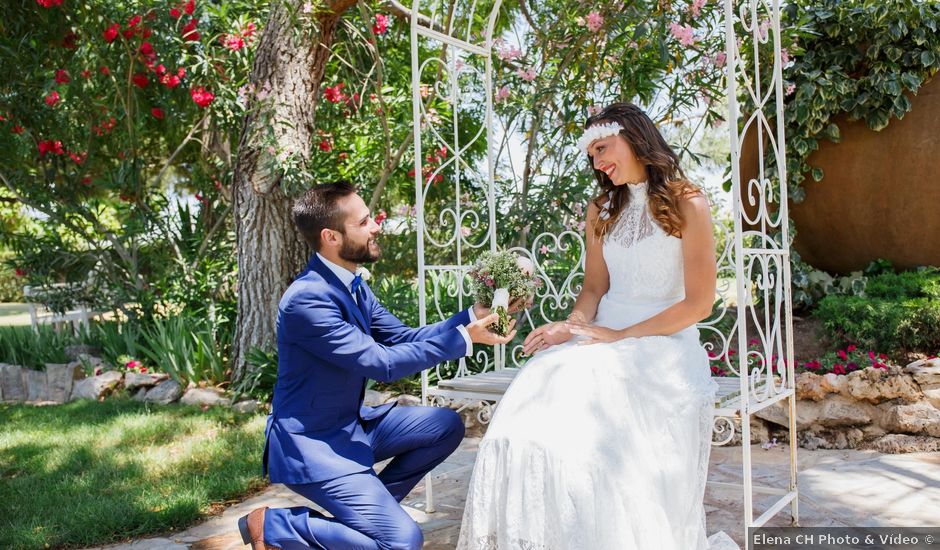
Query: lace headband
x,y
596,132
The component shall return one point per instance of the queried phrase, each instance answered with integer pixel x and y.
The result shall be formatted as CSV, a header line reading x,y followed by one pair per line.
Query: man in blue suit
x,y
320,441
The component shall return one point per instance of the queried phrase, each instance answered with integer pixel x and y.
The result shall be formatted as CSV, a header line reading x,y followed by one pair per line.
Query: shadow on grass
x,y
89,473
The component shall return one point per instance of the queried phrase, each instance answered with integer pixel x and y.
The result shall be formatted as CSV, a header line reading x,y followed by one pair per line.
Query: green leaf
x,y
911,81
817,174
832,132
927,58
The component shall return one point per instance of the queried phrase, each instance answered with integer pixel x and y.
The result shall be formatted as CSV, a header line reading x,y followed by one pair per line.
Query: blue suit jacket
x,y
328,346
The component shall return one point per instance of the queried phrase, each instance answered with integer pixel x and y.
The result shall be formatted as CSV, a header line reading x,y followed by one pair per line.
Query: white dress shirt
x,y
346,277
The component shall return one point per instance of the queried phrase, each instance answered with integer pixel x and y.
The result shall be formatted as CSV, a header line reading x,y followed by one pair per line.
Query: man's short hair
x,y
316,210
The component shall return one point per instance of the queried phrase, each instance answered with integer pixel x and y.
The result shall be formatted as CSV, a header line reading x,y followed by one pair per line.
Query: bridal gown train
x,y
604,447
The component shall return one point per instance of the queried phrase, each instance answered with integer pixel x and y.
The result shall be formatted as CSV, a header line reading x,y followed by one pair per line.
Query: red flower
x,y
146,48
249,30
104,70
170,80
49,3
133,22
189,31
140,80
160,69
334,94
69,42
380,217
838,369
175,13
20,272
86,180
202,97
86,73
190,7
62,76
50,146
325,145
851,348
411,173
52,98
842,355
146,33
17,129
381,24
111,33
233,42
143,370
157,113
78,158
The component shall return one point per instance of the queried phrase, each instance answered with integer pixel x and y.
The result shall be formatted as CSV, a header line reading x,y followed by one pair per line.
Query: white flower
x,y
500,298
596,132
364,273
525,265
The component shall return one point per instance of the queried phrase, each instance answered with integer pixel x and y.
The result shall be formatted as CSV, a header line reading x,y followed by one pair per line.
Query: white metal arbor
x,y
451,226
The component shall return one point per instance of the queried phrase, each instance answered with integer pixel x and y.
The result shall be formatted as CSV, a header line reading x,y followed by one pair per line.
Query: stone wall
x,y
61,383
890,410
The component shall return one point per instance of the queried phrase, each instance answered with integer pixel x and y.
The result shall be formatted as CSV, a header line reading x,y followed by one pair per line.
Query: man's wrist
x,y
478,311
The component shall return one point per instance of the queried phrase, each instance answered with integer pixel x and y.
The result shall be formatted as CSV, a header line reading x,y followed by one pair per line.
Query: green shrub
x,y
20,345
900,314
11,286
262,375
923,283
189,349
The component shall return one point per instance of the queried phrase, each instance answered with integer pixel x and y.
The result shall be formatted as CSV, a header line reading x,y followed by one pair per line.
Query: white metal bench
x,y
78,317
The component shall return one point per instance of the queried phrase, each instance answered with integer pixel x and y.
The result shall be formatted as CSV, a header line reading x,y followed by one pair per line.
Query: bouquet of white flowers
x,y
497,278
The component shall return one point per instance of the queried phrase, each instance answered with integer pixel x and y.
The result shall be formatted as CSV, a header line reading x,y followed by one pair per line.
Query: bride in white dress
x,y
602,440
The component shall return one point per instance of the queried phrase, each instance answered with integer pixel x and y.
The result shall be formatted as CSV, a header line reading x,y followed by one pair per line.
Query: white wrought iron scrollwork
x,y
723,430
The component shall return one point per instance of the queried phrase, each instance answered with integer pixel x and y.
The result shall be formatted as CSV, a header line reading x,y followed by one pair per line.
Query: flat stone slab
x,y
837,489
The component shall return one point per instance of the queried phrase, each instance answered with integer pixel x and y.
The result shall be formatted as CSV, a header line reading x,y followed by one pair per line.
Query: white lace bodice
x,y
644,263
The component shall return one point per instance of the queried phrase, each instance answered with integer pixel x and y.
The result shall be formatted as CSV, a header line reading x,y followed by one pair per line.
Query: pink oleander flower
x,y
381,24
595,21
696,8
683,33
528,74
719,59
502,93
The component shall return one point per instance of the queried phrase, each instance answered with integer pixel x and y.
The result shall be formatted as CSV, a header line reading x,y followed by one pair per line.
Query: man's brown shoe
x,y
251,527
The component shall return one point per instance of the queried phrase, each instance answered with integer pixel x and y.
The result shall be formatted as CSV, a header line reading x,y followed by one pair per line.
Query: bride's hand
x,y
595,334
546,336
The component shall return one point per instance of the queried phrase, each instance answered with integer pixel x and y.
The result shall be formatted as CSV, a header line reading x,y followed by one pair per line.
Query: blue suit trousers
x,y
365,509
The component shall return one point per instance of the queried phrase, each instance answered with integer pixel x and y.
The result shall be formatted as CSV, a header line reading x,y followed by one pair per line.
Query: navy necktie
x,y
356,283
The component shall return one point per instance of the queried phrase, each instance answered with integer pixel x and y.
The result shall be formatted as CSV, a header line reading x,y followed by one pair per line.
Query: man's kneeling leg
x,y
365,516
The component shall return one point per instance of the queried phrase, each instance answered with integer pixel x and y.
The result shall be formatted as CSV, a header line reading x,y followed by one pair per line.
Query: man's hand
x,y
515,306
545,337
481,334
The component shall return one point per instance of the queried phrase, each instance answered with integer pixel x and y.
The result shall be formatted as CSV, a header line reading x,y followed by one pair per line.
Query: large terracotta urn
x,y
880,196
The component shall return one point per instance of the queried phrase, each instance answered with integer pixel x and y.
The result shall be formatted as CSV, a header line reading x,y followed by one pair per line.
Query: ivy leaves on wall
x,y
863,58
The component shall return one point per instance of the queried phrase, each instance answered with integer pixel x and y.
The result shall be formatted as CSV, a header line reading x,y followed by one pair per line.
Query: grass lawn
x,y
89,473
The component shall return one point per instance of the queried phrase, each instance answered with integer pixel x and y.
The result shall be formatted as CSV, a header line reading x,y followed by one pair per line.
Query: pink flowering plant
x,y
846,360
498,278
115,113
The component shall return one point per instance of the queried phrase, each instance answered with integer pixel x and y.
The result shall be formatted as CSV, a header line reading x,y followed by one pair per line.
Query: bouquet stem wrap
x,y
501,307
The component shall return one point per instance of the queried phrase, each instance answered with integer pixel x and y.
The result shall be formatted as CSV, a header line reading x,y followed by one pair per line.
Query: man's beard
x,y
358,254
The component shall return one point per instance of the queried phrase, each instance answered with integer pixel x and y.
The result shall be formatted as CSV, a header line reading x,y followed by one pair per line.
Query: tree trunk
x,y
287,72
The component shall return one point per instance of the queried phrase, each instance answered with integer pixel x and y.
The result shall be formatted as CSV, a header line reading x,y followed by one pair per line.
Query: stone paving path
x,y
838,488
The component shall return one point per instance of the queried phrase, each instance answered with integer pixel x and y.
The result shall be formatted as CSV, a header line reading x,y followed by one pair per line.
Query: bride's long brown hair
x,y
667,183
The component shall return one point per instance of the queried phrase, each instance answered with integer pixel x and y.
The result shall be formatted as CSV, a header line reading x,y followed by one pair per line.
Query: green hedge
x,y
899,313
